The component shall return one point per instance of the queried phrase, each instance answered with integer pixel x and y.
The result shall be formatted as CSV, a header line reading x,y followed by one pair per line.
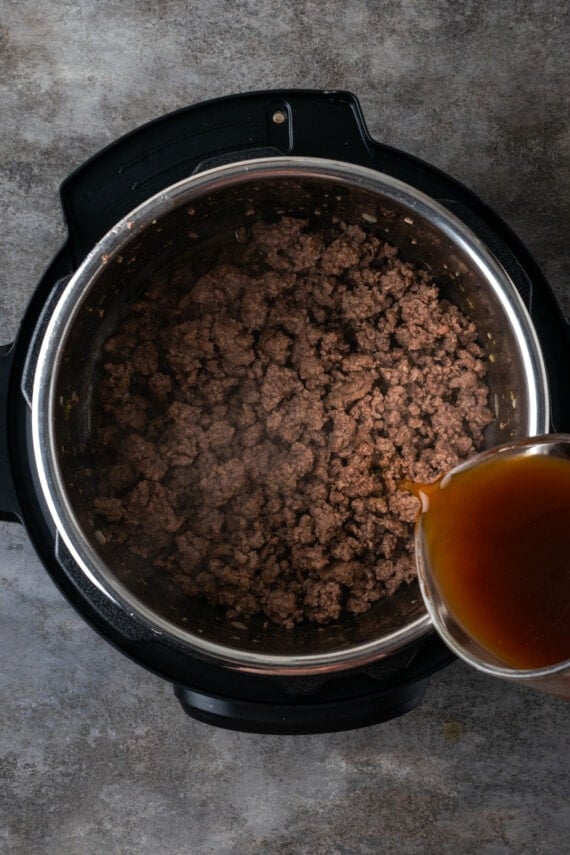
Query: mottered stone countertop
x,y
95,753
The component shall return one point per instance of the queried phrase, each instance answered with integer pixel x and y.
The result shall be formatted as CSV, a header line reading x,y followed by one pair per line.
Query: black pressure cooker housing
x,y
94,199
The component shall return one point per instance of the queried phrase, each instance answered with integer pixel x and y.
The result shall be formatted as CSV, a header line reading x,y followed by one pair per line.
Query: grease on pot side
x,y
497,539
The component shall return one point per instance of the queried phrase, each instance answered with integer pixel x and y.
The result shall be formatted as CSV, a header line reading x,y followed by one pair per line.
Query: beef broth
x,y
256,422
498,540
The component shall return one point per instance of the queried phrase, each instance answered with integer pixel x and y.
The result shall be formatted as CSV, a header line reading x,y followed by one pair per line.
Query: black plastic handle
x,y
251,716
9,506
291,121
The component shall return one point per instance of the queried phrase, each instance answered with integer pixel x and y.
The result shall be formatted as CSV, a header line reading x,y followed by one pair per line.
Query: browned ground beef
x,y
258,422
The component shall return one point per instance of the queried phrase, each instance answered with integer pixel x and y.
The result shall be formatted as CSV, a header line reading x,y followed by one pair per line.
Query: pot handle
x,y
9,506
294,122
301,123
253,716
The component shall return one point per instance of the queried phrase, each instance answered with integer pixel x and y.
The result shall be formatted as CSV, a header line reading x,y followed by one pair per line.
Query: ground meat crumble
x,y
257,422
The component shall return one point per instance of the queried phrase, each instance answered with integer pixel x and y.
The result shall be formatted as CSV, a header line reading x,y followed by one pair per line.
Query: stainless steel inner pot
x,y
190,223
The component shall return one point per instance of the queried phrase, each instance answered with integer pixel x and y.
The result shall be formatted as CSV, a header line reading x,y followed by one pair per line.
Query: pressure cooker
x,y
126,212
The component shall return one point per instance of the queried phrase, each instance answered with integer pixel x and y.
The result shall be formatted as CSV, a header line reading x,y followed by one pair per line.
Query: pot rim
x,y
71,301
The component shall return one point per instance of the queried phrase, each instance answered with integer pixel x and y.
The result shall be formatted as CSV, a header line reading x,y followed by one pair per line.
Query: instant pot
x,y
182,187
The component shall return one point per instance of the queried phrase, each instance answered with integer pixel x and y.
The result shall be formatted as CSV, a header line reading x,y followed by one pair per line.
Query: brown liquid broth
x,y
498,537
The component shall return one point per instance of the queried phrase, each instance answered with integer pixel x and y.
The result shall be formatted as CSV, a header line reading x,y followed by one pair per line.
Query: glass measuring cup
x,y
458,562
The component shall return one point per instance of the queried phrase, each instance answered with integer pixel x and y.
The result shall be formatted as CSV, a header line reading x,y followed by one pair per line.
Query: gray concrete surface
x,y
96,756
